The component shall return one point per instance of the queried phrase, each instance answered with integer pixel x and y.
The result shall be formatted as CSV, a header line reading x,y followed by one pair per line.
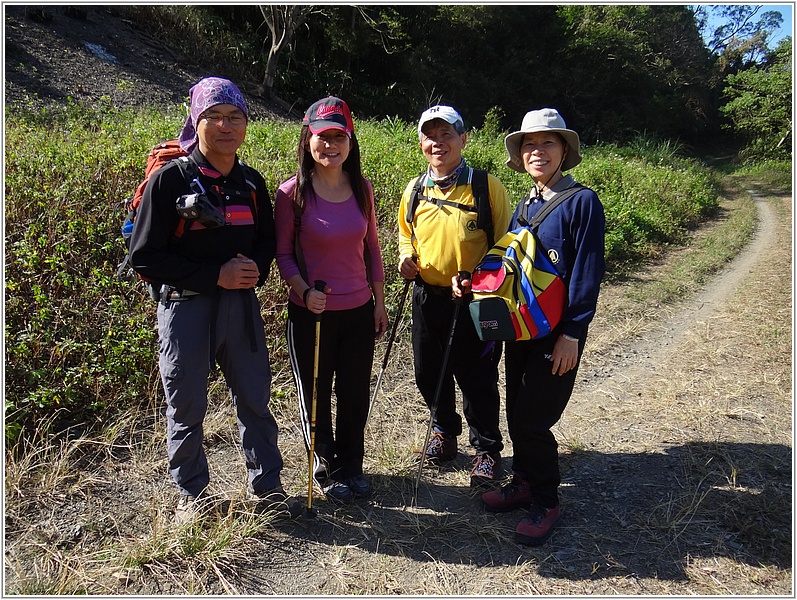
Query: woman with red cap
x,y
326,230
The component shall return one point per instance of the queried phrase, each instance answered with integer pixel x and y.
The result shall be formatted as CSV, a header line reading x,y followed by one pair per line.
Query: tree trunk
x,y
282,21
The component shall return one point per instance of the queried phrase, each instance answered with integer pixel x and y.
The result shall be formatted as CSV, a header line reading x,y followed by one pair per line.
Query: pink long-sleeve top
x,y
333,237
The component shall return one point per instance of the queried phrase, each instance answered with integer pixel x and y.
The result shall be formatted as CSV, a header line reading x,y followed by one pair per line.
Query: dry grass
x,y
676,463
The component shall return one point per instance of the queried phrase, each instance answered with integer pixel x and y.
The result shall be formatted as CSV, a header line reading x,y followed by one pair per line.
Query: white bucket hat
x,y
545,119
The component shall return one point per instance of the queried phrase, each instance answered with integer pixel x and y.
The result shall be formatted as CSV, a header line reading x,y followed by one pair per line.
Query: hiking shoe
x,y
187,509
359,486
441,447
537,526
515,494
486,469
277,502
337,490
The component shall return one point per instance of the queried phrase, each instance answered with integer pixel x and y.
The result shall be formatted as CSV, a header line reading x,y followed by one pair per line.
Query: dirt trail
x,y
647,442
617,371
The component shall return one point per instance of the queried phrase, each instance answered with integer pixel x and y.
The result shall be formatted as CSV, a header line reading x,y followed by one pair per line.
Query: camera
x,y
197,207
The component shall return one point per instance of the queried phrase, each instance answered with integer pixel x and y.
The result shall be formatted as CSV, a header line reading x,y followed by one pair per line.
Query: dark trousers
x,y
535,401
472,363
346,353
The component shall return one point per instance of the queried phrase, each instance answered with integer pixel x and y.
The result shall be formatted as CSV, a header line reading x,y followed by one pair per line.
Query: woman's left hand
x,y
564,356
380,321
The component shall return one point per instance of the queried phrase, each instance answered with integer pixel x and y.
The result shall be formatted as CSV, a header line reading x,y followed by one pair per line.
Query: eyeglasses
x,y
217,119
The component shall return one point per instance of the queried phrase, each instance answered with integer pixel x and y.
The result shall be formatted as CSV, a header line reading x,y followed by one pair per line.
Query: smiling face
x,y
330,148
221,130
442,146
543,153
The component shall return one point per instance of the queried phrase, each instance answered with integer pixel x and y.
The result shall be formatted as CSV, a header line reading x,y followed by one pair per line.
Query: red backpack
x,y
163,153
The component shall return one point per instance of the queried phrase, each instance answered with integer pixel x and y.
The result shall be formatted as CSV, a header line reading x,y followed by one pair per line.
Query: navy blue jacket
x,y
573,235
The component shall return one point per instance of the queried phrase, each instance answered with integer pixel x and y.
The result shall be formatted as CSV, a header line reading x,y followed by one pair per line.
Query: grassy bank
x,y
80,342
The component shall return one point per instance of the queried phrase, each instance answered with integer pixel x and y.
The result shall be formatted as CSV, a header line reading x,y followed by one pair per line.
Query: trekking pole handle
x,y
319,285
466,292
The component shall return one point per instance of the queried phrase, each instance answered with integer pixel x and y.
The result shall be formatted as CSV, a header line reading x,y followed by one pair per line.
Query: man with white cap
x,y
540,374
442,237
209,257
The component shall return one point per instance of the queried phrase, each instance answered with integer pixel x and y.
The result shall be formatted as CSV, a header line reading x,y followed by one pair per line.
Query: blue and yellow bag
x,y
517,292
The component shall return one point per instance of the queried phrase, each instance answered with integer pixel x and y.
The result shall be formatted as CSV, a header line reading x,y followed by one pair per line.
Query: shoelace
x,y
483,465
435,444
536,514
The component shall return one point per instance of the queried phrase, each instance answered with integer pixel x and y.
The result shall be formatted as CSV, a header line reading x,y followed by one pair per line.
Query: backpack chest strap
x,y
441,202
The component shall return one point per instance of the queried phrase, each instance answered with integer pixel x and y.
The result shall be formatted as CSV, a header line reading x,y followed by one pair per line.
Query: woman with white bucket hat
x,y
540,374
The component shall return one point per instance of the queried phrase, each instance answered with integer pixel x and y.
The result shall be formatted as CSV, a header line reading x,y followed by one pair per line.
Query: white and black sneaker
x,y
337,490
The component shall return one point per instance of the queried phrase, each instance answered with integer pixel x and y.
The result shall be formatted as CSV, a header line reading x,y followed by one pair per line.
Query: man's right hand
x,y
460,287
239,273
408,269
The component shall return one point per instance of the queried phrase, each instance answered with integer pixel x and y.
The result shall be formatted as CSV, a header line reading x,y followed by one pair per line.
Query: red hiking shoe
x,y
537,526
515,494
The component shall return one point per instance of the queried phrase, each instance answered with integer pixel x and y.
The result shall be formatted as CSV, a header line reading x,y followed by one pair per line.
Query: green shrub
x,y
777,173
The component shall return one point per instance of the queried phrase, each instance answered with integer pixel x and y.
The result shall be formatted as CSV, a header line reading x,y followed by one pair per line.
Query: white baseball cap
x,y
446,113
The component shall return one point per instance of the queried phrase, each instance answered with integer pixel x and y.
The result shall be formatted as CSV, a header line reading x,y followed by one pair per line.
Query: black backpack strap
x,y
248,178
250,181
484,211
297,248
548,206
415,197
188,168
481,196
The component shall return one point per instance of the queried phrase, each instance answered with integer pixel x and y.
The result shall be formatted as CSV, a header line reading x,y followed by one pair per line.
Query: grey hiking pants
x,y
226,328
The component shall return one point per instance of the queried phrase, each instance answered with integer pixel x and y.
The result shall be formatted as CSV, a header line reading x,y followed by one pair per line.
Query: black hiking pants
x,y
346,353
535,401
472,363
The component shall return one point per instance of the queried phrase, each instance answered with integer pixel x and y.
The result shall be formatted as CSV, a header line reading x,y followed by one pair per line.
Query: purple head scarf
x,y
206,93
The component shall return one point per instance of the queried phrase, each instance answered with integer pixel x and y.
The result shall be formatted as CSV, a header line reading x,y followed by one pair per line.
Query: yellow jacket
x,y
446,239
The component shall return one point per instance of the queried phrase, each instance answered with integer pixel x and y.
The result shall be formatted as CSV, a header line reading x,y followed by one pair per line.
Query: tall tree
x,y
282,20
628,69
742,38
760,104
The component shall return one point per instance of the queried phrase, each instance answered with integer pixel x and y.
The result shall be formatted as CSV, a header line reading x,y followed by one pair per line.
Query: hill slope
x,y
92,53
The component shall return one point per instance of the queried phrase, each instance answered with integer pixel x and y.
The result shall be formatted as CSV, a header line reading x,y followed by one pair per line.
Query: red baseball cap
x,y
329,113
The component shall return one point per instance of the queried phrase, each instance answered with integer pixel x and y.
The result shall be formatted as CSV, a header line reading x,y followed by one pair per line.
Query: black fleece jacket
x,y
192,260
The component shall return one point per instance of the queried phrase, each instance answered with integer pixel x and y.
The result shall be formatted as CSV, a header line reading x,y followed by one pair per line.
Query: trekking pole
x,y
433,410
310,512
390,340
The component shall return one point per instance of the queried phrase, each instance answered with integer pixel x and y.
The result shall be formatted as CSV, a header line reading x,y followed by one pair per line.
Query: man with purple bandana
x,y
205,230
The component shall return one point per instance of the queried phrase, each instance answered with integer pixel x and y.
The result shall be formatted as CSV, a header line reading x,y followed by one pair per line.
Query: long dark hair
x,y
351,165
